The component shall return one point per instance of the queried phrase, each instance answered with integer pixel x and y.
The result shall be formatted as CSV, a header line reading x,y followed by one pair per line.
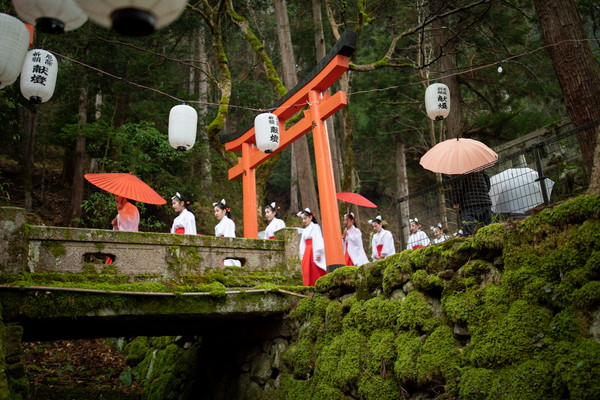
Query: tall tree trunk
x,y
321,52
575,67
29,128
403,208
443,49
301,154
78,160
204,150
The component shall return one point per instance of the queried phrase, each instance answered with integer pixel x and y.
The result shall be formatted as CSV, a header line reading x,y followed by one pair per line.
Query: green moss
x,y
408,348
323,391
342,280
476,383
509,337
577,369
415,313
136,350
461,306
340,363
381,354
588,296
57,249
529,380
439,358
490,238
371,278
294,388
334,315
378,387
300,358
427,283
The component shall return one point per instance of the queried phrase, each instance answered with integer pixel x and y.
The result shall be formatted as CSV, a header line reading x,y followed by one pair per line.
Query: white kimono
x,y
185,220
275,225
442,238
353,245
226,228
313,231
418,239
383,238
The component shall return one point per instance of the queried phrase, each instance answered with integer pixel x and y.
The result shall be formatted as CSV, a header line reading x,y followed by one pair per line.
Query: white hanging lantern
x,y
14,42
51,16
38,76
183,121
266,132
437,101
133,17
5,84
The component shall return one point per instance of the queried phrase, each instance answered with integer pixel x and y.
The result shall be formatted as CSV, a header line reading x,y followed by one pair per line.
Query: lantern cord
x,y
304,104
164,93
491,64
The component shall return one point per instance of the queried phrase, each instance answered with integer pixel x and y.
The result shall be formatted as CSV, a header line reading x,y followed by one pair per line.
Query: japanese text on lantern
x,y
442,98
39,70
274,130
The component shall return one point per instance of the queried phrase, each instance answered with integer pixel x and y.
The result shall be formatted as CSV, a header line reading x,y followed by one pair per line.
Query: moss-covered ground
x,y
504,314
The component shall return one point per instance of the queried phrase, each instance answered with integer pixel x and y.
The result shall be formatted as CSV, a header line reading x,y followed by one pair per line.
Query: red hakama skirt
x,y
310,271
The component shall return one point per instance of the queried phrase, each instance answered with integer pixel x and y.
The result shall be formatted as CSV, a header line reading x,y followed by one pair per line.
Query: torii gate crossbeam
x,y
320,107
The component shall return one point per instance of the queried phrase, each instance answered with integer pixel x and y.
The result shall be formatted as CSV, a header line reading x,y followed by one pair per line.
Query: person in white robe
x,y
225,228
438,234
354,251
272,217
417,238
311,249
382,244
185,222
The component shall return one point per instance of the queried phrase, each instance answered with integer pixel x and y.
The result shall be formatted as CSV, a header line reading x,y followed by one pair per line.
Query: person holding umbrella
x,y
354,252
417,237
185,222
272,217
128,216
470,197
382,244
312,249
125,187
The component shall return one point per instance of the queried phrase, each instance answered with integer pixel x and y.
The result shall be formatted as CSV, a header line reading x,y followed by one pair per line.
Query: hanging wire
x,y
304,104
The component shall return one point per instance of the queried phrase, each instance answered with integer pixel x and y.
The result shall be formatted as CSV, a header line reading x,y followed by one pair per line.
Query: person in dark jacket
x,y
470,195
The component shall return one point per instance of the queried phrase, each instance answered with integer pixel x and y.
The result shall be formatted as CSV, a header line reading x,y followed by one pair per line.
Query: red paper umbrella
x,y
458,156
126,185
355,198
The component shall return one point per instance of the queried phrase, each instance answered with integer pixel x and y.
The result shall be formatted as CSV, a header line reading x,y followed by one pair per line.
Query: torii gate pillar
x,y
309,91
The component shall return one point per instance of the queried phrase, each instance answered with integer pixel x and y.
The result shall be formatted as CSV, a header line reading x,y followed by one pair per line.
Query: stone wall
x,y
44,249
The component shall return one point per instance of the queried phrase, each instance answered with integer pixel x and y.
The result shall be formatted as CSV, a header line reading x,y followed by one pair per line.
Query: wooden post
x,y
332,230
249,192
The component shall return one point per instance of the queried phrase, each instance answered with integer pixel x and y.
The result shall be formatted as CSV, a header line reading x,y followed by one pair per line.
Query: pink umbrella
x,y
355,198
458,156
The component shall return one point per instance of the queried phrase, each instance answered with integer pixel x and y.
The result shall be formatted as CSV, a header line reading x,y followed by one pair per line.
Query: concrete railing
x,y
43,249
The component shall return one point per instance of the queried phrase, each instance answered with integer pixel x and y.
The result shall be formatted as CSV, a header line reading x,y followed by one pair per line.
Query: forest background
x,y
508,65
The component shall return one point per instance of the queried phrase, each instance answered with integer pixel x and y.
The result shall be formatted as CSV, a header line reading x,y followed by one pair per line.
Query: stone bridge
x,y
50,313
231,323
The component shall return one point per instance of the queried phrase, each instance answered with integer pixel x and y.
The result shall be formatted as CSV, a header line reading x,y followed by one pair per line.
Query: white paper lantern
x,y
5,84
51,16
133,17
437,101
38,76
14,42
266,132
183,121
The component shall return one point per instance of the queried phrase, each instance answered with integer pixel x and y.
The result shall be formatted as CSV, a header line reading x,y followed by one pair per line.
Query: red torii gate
x,y
309,91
